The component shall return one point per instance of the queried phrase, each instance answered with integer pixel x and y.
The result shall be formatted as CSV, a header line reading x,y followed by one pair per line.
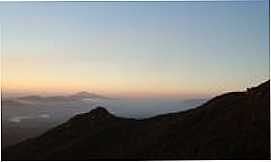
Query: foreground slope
x,y
231,126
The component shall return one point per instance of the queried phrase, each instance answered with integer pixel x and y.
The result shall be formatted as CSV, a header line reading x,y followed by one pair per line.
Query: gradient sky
x,y
134,48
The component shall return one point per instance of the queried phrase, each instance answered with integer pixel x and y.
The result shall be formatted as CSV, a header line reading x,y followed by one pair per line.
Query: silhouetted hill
x,y
231,126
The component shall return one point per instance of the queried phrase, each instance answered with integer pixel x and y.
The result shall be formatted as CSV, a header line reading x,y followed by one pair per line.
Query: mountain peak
x,y
84,94
99,113
99,110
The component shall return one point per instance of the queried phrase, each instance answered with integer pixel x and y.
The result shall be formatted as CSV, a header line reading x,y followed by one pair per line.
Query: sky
x,y
165,49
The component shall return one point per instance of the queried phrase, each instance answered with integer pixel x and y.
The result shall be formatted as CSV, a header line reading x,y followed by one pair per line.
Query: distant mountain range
x,y
74,97
235,125
11,102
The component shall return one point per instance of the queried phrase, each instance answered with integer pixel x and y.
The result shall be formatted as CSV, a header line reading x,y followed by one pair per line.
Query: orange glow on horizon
x,y
113,91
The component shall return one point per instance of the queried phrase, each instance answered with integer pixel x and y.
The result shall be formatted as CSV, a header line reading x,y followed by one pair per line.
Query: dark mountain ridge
x,y
231,126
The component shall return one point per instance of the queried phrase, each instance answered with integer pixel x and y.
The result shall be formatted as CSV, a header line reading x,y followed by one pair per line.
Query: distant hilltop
x,y
73,97
84,94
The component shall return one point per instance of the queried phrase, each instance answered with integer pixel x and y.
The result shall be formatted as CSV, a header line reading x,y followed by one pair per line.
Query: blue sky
x,y
134,48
